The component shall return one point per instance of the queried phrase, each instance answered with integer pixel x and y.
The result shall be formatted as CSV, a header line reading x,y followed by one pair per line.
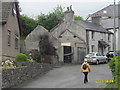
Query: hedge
x,y
115,68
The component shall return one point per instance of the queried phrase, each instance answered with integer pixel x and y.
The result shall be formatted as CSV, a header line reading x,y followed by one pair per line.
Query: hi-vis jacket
x,y
87,69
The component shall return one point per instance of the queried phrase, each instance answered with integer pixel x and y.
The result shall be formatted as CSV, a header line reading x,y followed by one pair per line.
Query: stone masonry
x,y
15,76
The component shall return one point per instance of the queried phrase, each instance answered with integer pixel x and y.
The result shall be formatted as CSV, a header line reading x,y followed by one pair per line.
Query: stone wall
x,y
4,58
15,76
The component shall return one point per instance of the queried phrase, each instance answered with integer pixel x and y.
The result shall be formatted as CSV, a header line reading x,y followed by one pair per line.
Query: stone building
x,y
106,19
98,38
79,37
33,39
73,39
10,30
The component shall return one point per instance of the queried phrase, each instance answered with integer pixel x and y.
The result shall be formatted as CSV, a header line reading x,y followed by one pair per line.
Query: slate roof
x,y
39,30
109,10
32,40
109,23
91,26
6,7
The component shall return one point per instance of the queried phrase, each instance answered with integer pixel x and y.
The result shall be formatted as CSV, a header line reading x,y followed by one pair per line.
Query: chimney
x,y
96,19
69,14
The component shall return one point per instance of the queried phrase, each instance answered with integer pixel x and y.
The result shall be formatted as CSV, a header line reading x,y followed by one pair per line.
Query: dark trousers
x,y
85,77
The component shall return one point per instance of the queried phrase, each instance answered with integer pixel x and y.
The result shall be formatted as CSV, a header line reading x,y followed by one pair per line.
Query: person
x,y
85,68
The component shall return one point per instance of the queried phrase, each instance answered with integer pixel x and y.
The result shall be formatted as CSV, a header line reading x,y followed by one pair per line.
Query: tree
x,y
52,18
78,18
28,24
48,21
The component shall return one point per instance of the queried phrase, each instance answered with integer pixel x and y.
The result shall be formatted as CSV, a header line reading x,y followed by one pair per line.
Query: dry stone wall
x,y
15,76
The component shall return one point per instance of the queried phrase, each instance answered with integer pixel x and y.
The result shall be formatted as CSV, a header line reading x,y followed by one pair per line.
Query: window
x,y
93,34
92,47
9,37
16,41
109,37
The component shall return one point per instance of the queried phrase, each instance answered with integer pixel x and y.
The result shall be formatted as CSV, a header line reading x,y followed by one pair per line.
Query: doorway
x,y
67,54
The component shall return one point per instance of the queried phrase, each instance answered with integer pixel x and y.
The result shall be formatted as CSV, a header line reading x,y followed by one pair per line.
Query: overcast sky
x,y
82,8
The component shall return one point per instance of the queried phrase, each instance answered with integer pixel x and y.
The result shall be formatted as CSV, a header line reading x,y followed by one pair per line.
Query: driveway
x,y
70,76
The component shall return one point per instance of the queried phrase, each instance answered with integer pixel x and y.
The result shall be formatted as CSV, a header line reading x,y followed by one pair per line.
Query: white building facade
x,y
94,39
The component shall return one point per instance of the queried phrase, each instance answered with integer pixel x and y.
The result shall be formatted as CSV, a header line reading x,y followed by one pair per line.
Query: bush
x,y
115,68
21,57
112,64
117,72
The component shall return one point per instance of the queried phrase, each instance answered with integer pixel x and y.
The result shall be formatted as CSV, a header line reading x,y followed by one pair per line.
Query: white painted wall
x,y
118,39
97,37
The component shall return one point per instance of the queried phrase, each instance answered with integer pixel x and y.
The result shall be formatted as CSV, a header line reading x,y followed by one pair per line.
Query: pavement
x,y
70,76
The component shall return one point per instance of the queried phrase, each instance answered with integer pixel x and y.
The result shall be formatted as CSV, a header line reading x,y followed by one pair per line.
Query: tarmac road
x,y
70,76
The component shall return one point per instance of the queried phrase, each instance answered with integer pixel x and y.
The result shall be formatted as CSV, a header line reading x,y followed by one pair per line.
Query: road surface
x,y
70,76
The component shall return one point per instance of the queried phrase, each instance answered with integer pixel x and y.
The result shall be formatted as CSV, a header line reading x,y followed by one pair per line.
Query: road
x,y
70,76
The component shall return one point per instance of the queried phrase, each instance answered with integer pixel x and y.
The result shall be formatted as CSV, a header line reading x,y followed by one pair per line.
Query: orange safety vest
x,y
87,69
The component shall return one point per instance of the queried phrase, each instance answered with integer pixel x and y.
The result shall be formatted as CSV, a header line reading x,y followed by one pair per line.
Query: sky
x,y
83,8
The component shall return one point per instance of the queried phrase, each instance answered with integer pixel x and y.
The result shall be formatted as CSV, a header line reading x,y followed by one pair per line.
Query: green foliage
x,y
115,68
117,71
28,24
112,64
21,57
48,21
78,18
52,19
